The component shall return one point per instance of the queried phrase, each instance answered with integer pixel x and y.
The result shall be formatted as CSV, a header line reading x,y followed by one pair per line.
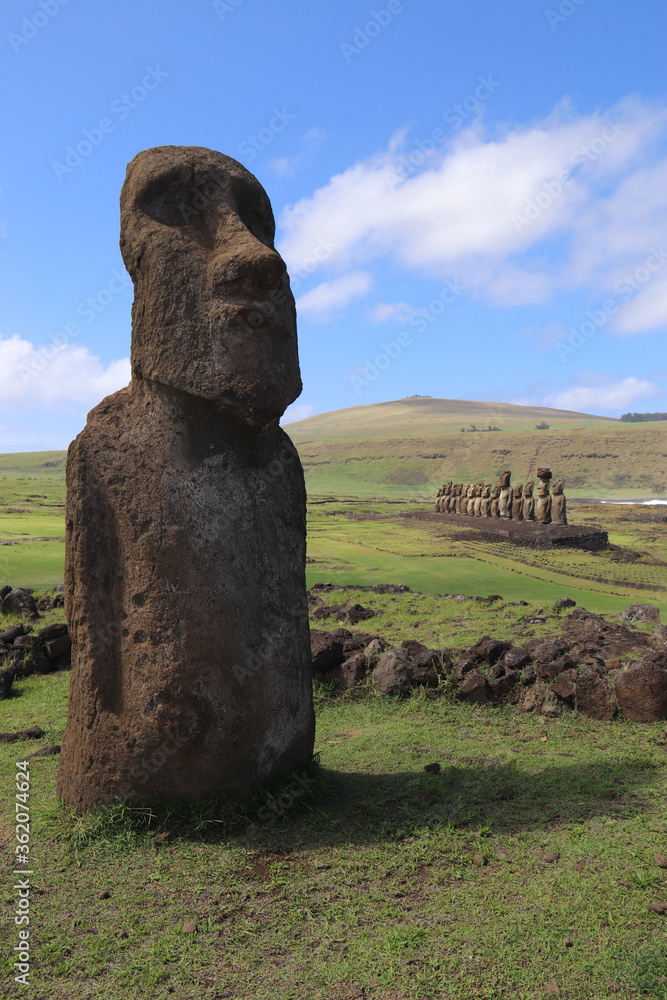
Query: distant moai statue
x,y
477,504
438,496
451,499
462,503
505,498
486,501
528,508
495,501
517,503
558,503
185,546
471,501
543,504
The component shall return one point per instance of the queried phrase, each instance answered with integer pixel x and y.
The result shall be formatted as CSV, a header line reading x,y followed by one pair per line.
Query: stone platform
x,y
530,533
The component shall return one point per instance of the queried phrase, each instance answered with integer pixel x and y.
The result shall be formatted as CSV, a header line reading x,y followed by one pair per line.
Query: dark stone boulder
x,y
8,637
517,658
464,665
528,675
348,673
473,688
593,695
501,688
7,589
393,674
6,680
354,613
19,602
564,686
658,637
326,650
547,671
564,602
641,613
641,692
541,700
33,652
548,650
50,632
489,649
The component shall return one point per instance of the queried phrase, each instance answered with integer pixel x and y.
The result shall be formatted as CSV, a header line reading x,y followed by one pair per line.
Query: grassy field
x,y
524,869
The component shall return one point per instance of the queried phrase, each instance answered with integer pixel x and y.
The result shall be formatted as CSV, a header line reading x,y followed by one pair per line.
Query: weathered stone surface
x,y
185,547
641,692
542,700
593,695
489,649
658,637
547,671
517,658
473,688
19,602
564,602
6,680
641,613
326,650
7,637
501,687
547,650
349,672
393,674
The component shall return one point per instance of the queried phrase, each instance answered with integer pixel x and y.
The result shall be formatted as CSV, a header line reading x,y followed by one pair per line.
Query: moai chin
x,y
528,508
558,503
505,498
185,549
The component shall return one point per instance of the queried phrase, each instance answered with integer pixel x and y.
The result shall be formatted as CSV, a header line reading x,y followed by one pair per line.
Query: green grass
x,y
372,888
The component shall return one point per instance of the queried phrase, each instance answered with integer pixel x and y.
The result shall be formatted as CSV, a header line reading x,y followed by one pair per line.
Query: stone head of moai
x,y
543,473
528,488
518,491
543,490
505,478
486,492
495,493
213,312
557,487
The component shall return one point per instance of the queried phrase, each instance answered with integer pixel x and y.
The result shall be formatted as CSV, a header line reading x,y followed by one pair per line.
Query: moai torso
x,y
185,583
486,502
543,504
528,508
505,498
558,503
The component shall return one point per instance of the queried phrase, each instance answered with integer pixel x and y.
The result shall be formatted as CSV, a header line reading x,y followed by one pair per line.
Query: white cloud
x,y
399,312
610,397
48,376
596,185
325,298
297,411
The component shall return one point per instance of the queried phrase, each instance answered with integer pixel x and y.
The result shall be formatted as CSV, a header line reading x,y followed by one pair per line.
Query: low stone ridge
x,y
590,667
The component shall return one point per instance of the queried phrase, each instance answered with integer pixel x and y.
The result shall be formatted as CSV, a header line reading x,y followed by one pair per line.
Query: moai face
x,y
505,478
214,315
528,488
486,492
543,491
557,487
495,492
518,491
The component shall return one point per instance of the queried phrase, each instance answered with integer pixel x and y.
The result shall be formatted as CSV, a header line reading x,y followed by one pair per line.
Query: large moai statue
x,y
543,504
495,501
528,508
517,503
185,549
485,510
471,501
462,500
444,499
438,498
505,498
451,500
558,503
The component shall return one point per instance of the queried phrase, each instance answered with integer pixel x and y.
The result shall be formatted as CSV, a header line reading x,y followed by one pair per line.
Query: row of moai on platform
x,y
516,503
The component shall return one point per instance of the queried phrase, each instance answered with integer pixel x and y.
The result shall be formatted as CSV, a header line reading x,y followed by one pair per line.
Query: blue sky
x,y
472,203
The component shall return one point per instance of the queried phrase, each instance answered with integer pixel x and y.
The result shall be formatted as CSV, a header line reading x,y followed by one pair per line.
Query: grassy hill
x,y
408,447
